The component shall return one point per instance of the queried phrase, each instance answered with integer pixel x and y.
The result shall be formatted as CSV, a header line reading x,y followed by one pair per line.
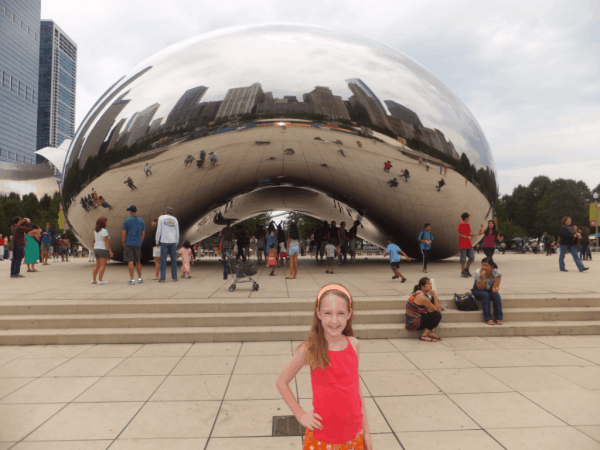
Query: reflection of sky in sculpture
x,y
292,60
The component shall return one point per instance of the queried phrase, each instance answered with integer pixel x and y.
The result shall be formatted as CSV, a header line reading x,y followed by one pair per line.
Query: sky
x,y
528,71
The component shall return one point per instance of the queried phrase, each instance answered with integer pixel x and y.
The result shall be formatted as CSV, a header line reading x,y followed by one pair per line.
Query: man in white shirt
x,y
167,238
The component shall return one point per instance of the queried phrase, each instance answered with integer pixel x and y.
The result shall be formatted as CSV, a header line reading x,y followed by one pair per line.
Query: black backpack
x,y
465,302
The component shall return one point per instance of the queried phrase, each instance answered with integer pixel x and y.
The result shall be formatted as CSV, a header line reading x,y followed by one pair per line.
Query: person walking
x,y
57,248
32,248
485,289
387,166
547,240
132,235
101,249
425,238
200,161
129,183
423,311
406,175
47,236
568,244
293,246
440,184
339,419
427,166
465,244
188,160
147,170
441,168
321,234
271,238
261,241
490,236
167,237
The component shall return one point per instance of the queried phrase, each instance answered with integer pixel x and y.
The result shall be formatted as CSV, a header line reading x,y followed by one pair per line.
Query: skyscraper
x,y
322,101
57,86
19,70
366,103
242,100
185,107
401,112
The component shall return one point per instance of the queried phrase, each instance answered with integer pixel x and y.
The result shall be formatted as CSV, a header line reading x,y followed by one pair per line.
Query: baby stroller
x,y
241,270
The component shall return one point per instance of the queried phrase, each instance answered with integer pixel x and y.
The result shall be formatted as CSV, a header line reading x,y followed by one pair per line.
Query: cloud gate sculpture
x,y
299,118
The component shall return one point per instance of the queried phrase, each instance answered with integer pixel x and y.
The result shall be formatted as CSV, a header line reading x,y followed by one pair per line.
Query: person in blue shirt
x,y
425,238
47,236
134,231
394,252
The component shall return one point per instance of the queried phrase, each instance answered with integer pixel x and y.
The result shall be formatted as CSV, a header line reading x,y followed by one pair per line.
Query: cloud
x,y
528,71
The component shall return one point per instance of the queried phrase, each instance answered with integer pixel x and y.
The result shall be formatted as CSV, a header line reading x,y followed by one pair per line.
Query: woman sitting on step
x,y
486,287
423,311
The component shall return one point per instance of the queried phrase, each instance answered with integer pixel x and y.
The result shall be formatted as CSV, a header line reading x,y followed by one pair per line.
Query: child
x,y
339,418
185,254
283,256
387,166
330,253
272,259
393,251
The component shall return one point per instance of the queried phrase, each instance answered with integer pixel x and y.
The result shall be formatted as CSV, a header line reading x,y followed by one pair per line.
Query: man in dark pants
x,y
134,231
20,227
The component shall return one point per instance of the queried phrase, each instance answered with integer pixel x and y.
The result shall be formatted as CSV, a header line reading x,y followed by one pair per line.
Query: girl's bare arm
x,y
288,373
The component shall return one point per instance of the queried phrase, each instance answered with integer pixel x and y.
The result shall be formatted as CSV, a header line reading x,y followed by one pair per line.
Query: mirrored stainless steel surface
x,y
298,118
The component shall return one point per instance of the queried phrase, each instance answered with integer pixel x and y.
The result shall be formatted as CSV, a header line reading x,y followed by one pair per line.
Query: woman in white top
x,y
102,249
293,245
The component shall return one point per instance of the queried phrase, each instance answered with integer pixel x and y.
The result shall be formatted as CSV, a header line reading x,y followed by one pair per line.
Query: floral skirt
x,y
310,443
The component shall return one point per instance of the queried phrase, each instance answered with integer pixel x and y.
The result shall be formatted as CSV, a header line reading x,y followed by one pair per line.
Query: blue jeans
x,y
172,251
561,257
486,297
18,255
584,252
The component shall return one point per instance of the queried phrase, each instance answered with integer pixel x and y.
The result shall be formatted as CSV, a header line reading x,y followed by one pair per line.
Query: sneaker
x,y
327,271
131,282
156,278
94,282
395,276
563,270
19,276
464,274
175,279
140,281
102,282
584,269
161,281
403,280
468,272
331,271
425,270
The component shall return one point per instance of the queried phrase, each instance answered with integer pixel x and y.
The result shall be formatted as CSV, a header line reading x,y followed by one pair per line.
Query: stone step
x,y
254,304
278,333
268,319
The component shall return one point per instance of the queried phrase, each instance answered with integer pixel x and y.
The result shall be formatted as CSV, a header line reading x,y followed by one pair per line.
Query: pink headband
x,y
335,287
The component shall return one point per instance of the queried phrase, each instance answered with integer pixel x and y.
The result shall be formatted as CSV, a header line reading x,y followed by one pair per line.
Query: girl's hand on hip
x,y
309,420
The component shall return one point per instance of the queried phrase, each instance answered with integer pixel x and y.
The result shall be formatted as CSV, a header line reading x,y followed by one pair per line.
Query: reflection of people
x,y
213,159
359,144
147,169
387,166
406,175
188,160
427,166
200,161
129,183
341,152
330,427
104,203
393,183
485,289
440,185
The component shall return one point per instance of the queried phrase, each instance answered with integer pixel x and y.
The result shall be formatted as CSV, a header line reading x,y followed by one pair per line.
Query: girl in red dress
x,y
338,420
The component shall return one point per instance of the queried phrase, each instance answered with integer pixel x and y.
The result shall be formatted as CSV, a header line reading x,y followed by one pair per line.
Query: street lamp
x,y
596,209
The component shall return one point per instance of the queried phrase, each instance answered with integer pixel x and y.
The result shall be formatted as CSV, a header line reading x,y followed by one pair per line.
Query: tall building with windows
x,y
366,104
240,101
19,69
57,81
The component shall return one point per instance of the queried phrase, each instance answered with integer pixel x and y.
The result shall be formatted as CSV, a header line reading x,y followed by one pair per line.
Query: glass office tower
x,y
58,76
19,69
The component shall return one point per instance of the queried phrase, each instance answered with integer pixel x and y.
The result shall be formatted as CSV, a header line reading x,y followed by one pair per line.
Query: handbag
x,y
465,302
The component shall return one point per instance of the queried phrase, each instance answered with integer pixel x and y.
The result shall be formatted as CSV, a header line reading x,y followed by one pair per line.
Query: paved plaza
x,y
519,392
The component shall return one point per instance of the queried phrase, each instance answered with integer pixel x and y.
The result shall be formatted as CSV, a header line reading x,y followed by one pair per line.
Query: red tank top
x,y
336,398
